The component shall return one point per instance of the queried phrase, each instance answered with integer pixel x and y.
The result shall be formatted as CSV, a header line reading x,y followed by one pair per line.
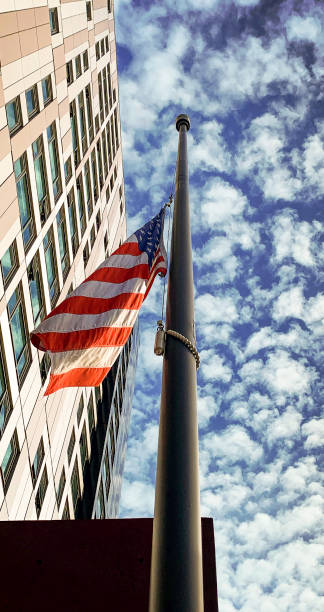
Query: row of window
x,y
89,8
74,67
102,47
13,108
23,184
84,455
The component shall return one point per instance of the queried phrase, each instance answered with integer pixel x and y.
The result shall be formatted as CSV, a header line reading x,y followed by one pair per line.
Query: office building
x,y
62,211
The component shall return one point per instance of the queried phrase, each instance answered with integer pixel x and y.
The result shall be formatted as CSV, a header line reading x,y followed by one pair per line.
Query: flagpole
x,y
176,566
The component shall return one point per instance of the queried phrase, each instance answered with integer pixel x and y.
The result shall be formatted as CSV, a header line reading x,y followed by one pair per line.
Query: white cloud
x,y
289,304
222,201
213,367
303,28
314,432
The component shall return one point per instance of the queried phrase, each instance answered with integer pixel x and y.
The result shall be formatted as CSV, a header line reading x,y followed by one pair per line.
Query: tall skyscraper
x,y
62,211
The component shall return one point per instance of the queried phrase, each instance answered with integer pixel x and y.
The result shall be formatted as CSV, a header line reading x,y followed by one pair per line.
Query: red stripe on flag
x,y
79,377
92,305
85,338
128,248
119,275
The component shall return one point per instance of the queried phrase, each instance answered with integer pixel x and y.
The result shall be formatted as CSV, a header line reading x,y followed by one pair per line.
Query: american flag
x,y
86,332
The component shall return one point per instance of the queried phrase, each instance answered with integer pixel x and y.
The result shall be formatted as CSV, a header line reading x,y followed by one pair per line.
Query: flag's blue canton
x,y
149,236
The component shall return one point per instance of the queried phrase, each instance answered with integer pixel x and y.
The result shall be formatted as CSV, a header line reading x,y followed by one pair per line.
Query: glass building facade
x,y
62,213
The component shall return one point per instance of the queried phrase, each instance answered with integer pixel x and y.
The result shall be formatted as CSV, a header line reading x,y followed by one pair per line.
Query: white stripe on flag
x,y
67,322
100,289
96,357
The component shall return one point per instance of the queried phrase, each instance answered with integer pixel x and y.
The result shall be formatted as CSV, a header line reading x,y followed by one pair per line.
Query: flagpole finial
x,y
182,120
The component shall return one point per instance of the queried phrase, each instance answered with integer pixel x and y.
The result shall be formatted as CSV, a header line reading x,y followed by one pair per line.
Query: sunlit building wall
x,y
62,211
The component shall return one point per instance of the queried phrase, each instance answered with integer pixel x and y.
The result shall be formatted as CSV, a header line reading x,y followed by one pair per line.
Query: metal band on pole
x,y
176,566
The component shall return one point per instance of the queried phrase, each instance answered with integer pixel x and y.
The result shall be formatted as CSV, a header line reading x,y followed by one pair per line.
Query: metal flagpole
x,y
176,566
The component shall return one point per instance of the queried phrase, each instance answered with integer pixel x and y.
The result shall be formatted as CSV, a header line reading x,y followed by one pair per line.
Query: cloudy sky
x,y
250,75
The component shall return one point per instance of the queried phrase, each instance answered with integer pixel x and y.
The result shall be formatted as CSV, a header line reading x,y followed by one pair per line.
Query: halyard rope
x,y
187,343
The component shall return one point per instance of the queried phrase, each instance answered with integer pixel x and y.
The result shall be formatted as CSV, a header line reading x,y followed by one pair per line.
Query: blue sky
x,y
250,75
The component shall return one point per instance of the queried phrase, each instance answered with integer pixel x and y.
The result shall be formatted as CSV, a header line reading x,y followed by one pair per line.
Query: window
x,y
68,169
38,461
101,178
75,137
9,461
90,414
107,44
88,7
69,72
71,446
104,153
14,116
5,400
51,268
97,50
109,84
116,128
88,195
97,123
101,106
24,200
44,367
83,446
89,112
106,473
102,46
83,130
106,242
75,484
78,69
47,90
63,244
98,220
100,503
94,175
81,207
66,511
92,236
54,160
41,491
32,102
85,58
53,19
112,442
86,254
41,178
105,89
80,409
9,263
19,333
109,6
60,488
36,290
108,143
72,222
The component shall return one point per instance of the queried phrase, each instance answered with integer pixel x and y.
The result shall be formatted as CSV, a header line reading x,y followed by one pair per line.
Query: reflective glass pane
x,y
62,241
7,458
8,262
12,114
40,178
49,258
3,385
23,200
36,296
18,332
53,160
30,101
